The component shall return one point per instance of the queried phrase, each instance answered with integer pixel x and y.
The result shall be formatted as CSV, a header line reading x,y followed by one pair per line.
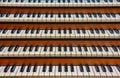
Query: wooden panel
x,y
61,61
59,42
57,26
59,10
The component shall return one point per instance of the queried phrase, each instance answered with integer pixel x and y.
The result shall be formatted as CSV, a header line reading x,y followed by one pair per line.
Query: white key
x,y
8,72
53,71
107,72
95,72
40,72
15,71
80,74
103,74
37,71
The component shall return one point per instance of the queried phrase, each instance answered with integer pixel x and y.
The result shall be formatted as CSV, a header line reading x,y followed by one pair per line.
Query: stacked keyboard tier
x,y
59,38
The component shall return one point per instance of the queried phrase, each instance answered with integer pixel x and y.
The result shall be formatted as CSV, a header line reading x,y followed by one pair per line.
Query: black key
x,y
97,68
71,48
6,68
92,32
105,48
118,67
109,68
18,31
13,31
94,48
88,1
51,48
85,48
103,68
22,68
25,48
33,15
64,15
50,68
59,48
90,15
98,0
108,15
37,32
22,0
103,31
77,16
29,68
16,48
118,47
34,1
27,31
106,0
1,48
2,15
35,68
4,0
29,0
17,0
32,31
7,15
111,31
51,15
28,15
70,31
69,15
16,15
115,48
46,31
20,15
118,0
59,68
4,31
59,15
116,31
81,1
46,15
100,48
59,31
44,68
51,31
66,68
78,31
79,49
82,15
38,15
72,68
65,48
83,31
36,48
113,15
76,1
81,68
64,31
51,1
87,68
97,31
13,68
111,0
45,48
100,15
31,48
10,48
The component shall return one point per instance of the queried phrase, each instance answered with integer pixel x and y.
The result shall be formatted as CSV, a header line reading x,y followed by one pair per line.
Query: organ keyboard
x,y
60,3
59,38
60,17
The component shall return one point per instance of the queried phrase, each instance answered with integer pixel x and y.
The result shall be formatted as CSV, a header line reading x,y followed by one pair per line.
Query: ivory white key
x,y
24,73
47,71
73,52
78,51
36,73
115,53
74,73
2,71
110,34
63,53
85,73
57,52
41,73
91,73
103,74
91,33
15,71
69,73
3,50
67,51
114,73
57,73
115,69
63,73
19,73
52,51
53,71
99,52
30,73
80,73
96,73
8,72
43,51
93,51
5,53
108,73
16,53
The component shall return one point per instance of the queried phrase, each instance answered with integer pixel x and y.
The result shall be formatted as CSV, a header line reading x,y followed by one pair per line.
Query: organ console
x,y
59,38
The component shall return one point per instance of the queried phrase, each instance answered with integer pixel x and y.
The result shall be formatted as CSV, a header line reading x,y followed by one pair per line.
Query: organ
x,y
59,38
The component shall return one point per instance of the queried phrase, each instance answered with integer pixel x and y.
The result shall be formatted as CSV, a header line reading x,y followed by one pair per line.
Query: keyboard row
x,y
61,71
60,34
60,51
59,17
60,3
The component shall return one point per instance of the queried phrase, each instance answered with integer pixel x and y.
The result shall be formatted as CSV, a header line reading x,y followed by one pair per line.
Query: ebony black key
x,y
77,15
33,15
97,68
51,31
103,68
97,31
25,48
85,48
79,49
98,0
115,48
10,48
71,48
32,31
34,1
69,15
78,31
81,68
100,48
2,15
13,31
6,68
13,68
118,47
64,31
7,15
59,31
109,68
59,15
51,1
66,68
50,68
83,31
108,15
111,0
36,48
82,15
92,32
88,1
87,68
94,48
103,31
16,0
44,68
46,15
70,31
4,31
29,15
35,68
22,68
37,32
16,15
46,31
105,48
90,15
29,0
59,48
29,68
45,48
38,15
27,31
59,68
111,31
64,15
1,48
31,48
118,67
65,48
113,15
116,31
100,15
72,68
20,15
118,0
18,31
81,1
51,48
22,0
76,1
16,48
